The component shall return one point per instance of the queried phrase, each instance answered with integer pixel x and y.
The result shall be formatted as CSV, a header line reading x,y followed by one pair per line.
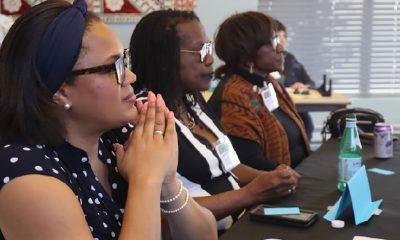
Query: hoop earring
x,y
251,68
67,106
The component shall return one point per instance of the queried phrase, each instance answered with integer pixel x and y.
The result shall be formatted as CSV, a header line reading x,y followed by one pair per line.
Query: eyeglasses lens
x,y
120,65
207,49
274,42
119,68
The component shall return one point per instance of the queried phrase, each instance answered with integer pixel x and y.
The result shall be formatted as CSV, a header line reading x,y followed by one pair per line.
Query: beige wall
x,y
210,12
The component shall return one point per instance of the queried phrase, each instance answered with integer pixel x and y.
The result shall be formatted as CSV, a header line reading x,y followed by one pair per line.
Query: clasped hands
x,y
275,184
151,151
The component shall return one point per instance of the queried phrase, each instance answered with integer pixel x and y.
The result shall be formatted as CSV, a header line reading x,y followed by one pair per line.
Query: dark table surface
x,y
318,190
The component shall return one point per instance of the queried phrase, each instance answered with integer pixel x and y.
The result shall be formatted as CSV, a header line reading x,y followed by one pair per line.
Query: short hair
x,y
279,26
239,37
155,51
27,111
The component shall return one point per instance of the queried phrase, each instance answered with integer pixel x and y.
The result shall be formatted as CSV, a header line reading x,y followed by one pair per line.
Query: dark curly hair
x,y
239,37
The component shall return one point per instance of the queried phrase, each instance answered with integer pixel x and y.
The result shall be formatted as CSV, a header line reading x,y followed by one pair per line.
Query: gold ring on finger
x,y
159,132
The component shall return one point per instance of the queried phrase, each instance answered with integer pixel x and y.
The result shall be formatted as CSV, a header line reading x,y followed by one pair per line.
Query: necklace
x,y
187,118
191,123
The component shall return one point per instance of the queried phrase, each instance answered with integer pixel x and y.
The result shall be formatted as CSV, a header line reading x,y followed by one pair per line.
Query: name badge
x,y
226,153
268,95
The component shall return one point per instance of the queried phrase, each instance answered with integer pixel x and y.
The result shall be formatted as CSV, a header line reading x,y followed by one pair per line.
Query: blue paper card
x,y
356,197
281,211
381,171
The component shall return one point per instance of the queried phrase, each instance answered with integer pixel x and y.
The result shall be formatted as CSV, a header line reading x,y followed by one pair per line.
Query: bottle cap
x,y
337,224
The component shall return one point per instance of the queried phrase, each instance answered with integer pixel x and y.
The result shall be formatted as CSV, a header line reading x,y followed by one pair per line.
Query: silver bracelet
x,y
174,197
179,208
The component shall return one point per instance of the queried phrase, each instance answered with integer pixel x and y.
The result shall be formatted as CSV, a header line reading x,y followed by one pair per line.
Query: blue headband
x,y
60,46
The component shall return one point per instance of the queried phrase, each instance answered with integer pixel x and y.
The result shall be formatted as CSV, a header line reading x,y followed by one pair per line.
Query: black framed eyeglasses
x,y
118,67
206,49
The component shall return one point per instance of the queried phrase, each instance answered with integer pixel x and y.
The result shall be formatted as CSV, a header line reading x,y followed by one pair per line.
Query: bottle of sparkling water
x,y
349,152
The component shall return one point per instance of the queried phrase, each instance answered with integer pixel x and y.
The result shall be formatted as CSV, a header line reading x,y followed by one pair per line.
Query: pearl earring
x,y
67,106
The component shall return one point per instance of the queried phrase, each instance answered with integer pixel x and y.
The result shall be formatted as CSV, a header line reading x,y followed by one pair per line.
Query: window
x,y
355,42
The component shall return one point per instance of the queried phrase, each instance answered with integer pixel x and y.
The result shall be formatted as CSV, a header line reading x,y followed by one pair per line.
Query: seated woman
x,y
60,176
174,57
294,75
256,111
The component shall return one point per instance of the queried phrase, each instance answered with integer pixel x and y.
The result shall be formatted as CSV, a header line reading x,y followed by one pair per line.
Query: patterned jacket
x,y
243,114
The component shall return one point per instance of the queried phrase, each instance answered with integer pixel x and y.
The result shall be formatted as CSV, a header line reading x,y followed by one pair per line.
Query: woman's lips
x,y
208,76
131,98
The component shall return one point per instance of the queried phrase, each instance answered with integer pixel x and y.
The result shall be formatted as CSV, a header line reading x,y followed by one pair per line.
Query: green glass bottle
x,y
349,152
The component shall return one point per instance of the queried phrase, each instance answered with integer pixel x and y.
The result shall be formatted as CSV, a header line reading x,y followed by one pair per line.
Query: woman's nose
x,y
130,77
279,48
209,59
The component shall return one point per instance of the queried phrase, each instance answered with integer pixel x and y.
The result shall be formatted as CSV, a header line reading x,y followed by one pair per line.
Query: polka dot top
x,y
69,164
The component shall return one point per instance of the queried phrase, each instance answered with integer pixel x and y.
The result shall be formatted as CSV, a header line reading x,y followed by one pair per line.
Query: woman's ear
x,y
61,97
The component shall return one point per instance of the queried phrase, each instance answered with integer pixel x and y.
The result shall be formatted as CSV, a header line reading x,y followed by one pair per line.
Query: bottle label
x,y
351,123
348,167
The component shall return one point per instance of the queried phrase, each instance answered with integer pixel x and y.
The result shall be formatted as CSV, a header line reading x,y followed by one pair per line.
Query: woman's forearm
x,y
227,203
142,211
245,174
192,223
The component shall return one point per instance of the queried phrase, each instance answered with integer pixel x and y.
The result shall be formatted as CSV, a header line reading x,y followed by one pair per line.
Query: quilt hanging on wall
x,y
108,10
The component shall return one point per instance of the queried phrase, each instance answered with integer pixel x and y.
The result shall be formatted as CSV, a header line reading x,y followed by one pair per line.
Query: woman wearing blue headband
x,y
64,83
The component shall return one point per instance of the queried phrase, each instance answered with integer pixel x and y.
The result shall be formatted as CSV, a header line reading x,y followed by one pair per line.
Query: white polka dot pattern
x,y
38,168
70,165
101,211
6,179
